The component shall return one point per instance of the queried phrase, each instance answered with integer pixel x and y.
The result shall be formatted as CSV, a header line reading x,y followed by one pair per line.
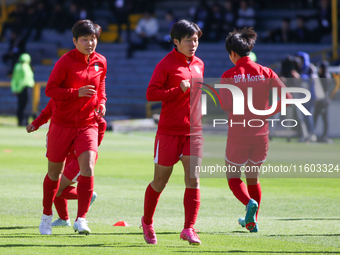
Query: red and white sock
x,y
85,191
150,202
191,201
239,188
50,189
256,194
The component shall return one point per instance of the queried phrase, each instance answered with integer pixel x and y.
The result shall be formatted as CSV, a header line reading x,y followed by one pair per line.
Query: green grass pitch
x,y
297,216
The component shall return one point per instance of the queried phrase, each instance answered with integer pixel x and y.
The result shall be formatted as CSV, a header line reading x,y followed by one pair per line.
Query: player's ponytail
x,y
249,35
241,41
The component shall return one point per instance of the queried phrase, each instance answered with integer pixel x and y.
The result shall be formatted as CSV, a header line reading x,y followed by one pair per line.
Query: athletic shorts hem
x,y
226,159
255,163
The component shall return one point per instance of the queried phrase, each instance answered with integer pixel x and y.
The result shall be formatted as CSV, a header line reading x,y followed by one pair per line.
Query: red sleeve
x,y
101,129
57,76
225,95
101,90
277,83
156,91
45,115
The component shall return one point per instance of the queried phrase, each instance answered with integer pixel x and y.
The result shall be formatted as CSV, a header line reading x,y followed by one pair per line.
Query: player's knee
x,y
159,185
87,171
192,183
54,176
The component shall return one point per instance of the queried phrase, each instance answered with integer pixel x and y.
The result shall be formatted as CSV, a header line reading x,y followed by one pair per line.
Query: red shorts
x,y
170,148
239,155
60,140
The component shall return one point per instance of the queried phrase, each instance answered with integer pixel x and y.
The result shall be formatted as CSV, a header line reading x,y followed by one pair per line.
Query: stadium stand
x,y
127,79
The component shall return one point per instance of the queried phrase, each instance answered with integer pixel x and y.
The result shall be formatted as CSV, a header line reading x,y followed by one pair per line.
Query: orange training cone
x,y
121,224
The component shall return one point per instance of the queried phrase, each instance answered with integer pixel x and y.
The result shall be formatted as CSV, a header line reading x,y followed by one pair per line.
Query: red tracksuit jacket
x,y
46,114
262,80
70,73
165,86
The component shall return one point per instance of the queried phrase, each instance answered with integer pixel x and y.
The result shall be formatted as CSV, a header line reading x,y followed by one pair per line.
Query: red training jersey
x,y
262,79
165,86
46,114
71,72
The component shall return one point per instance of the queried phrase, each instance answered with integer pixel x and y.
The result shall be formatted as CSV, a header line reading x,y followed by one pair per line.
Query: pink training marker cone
x,y
121,224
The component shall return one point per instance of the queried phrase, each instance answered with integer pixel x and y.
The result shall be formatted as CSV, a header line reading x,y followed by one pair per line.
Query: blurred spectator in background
x,y
73,14
57,20
229,18
216,20
290,76
146,32
289,69
281,35
301,33
40,19
252,56
85,8
121,10
201,18
325,16
308,75
21,85
165,40
321,105
14,21
17,46
141,6
246,15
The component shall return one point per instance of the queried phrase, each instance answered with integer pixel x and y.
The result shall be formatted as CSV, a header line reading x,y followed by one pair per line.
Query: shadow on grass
x,y
75,235
135,233
118,245
296,219
265,252
310,235
226,233
17,227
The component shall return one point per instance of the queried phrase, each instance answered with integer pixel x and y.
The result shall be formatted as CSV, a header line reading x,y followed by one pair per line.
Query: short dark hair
x,y
184,28
289,64
241,41
85,27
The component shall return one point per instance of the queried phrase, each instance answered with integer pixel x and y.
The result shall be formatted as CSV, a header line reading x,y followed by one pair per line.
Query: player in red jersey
x,y
77,86
247,145
175,140
71,172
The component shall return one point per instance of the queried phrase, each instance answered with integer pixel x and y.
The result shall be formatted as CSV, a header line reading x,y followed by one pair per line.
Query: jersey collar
x,y
182,56
243,60
81,56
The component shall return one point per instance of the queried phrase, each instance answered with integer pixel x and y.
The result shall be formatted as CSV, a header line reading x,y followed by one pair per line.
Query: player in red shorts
x,y
77,86
175,140
247,144
71,172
